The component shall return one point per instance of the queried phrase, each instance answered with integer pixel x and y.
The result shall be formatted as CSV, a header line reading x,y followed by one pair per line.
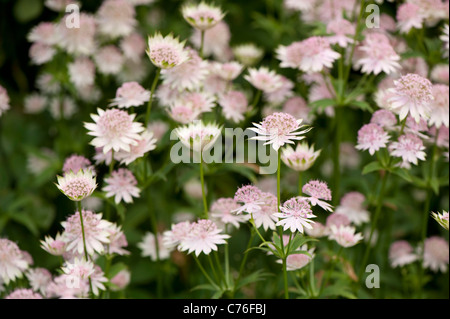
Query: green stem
x,y
336,155
150,101
244,260
202,181
205,273
330,271
227,263
311,278
202,43
285,279
300,183
78,205
154,226
256,98
211,264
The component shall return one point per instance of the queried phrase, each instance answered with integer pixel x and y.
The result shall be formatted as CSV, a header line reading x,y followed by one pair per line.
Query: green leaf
x,y
253,277
298,241
321,104
403,173
372,167
338,290
434,184
362,105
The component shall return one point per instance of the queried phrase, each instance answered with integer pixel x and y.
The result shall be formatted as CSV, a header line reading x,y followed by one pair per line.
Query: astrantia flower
x,y
281,94
202,16
41,53
264,79
297,107
440,106
409,16
409,148
318,230
248,54
117,241
445,39
68,107
55,246
116,18
114,129
265,216
166,52
299,5
376,55
216,42
310,55
77,186
82,72
352,206
318,193
204,236
336,220
34,103
413,95
440,73
279,129
342,32
250,198
22,293
145,144
130,94
234,104
39,279
188,75
121,280
401,253
442,219
300,159
4,100
183,114
76,162
133,46
68,287
95,231
122,185
200,102
227,71
384,118
78,41
198,136
372,137
178,232
295,215
222,211
12,261
148,247
79,268
296,261
345,235
45,33
436,254
97,280
109,60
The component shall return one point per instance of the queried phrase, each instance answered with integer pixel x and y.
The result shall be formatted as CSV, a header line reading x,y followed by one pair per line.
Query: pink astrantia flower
x,y
41,53
250,198
318,193
281,94
109,60
234,104
45,33
23,293
216,42
95,231
440,106
300,159
310,55
228,70
409,16
385,119
342,32
145,144
204,236
199,102
440,74
298,108
337,220
222,212
198,136
409,148
264,79
55,246
352,206
376,55
345,235
187,76
372,137
122,185
401,253
202,16
39,279
35,103
82,72
295,215
265,217
183,114
77,186
148,247
114,129
178,232
413,95
318,230
166,52
78,41
130,94
296,261
116,18
76,162
4,100
436,254
445,39
12,261
133,47
121,280
117,241
279,129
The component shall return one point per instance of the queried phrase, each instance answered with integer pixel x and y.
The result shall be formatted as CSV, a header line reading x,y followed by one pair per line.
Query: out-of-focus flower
x,y
234,104
148,247
409,16
117,241
76,162
385,119
228,70
78,41
60,5
35,103
372,137
4,100
45,33
439,106
279,129
166,52
39,279
77,186
441,218
133,47
445,39
248,54
318,230
12,261
300,159
342,32
264,79
401,253
435,255
121,280
202,16
66,105
82,72
296,261
55,246
109,59
145,144
318,192
172,238
345,235
216,42
299,5
281,94
409,148
222,212
130,94
352,206
295,215
41,53
198,136
440,73
116,18
23,293
122,185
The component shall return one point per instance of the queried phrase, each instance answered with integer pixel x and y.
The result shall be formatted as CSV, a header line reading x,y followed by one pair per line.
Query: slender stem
x,y
336,155
256,98
219,266
333,265
311,278
154,226
300,183
244,260
204,272
109,259
202,43
279,181
285,279
202,181
150,101
78,205
227,262
297,284
211,264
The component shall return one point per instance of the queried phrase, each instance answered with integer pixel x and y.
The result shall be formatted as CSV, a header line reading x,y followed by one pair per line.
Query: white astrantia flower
x,y
166,52
300,159
264,79
401,253
345,235
77,186
295,215
145,144
148,247
202,16
130,94
441,218
248,54
12,261
122,185
198,136
279,129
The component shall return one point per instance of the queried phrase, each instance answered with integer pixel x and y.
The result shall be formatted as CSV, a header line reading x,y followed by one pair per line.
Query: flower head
x,y
279,129
82,72
222,212
178,233
198,136
234,104
265,216
436,254
264,79
4,100
409,16
23,293
55,246
300,159
75,163
342,32
384,118
372,137
130,94
77,186
148,247
409,148
352,206
145,144
202,16
345,235
12,261
295,215
401,253
318,192
39,279
441,218
248,54
227,71
440,106
250,197
116,18
166,52
122,185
